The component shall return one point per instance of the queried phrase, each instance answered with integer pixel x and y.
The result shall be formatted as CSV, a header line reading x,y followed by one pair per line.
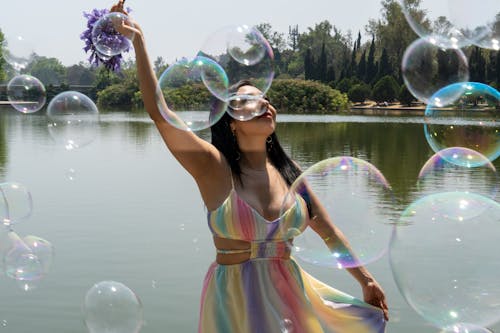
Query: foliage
x,y
47,70
385,90
301,96
405,96
359,93
3,74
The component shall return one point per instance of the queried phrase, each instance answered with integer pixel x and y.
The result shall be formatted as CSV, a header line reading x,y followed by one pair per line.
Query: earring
x,y
269,143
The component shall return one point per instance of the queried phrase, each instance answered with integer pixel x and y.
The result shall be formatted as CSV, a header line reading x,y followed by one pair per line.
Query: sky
x,y
173,29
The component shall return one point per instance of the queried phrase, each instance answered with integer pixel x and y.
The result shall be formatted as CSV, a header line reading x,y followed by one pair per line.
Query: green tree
x,y
405,96
309,65
293,37
359,93
477,65
80,74
47,70
301,96
371,67
384,65
3,74
393,32
385,90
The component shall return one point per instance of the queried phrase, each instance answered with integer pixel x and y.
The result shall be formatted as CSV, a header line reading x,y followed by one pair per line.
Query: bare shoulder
x,y
216,184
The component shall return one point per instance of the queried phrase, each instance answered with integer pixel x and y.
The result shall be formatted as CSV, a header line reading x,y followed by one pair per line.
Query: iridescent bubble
x,y
18,52
246,107
26,93
427,68
43,249
458,169
20,263
431,20
244,54
111,307
107,40
358,200
16,203
471,121
442,263
185,78
479,23
73,119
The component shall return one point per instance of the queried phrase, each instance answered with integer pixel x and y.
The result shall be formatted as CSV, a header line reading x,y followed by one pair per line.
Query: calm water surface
x,y
123,209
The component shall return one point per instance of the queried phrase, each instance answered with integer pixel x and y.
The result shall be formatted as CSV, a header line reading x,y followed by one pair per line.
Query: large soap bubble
x,y
16,203
480,22
186,78
358,200
469,120
442,263
111,307
244,54
107,40
73,119
26,93
458,169
20,262
432,21
427,68
18,52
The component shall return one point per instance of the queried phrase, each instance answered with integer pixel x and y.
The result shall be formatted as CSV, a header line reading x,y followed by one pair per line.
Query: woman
x,y
243,176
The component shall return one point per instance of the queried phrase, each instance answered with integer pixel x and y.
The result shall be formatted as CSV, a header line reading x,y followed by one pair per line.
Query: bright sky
x,y
173,28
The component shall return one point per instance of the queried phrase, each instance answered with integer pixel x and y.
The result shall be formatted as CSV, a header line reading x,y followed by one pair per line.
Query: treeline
x,y
320,61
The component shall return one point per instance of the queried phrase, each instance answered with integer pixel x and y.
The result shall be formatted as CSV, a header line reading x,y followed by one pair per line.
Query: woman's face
x,y
258,110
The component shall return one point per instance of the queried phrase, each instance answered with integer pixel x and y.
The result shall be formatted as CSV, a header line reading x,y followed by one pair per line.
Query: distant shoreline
x,y
372,109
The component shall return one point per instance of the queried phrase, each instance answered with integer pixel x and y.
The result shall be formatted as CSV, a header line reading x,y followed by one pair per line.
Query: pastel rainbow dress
x,y
268,293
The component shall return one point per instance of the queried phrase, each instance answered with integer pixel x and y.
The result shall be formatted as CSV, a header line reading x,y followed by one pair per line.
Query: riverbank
x,y
387,109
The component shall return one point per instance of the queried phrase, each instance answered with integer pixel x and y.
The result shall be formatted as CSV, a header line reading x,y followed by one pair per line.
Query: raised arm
x,y
197,156
336,241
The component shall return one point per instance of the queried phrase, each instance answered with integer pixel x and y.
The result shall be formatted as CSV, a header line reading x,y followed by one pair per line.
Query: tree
x,y
384,65
309,65
47,70
361,73
405,96
80,75
322,65
293,37
371,67
3,74
359,93
393,32
385,90
159,66
275,39
477,65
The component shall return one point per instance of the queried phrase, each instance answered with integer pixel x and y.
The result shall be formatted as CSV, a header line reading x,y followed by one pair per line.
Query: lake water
x,y
123,209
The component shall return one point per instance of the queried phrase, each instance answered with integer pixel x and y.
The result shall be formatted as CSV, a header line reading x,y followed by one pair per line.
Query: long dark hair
x,y
225,141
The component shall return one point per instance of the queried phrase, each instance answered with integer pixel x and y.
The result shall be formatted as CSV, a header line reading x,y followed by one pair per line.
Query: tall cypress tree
x,y
322,64
371,67
491,68
308,64
498,69
384,66
361,74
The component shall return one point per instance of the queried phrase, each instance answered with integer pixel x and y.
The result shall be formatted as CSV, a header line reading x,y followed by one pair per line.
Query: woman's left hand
x,y
374,295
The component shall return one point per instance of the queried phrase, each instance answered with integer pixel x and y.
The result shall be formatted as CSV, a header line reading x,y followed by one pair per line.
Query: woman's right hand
x,y
128,28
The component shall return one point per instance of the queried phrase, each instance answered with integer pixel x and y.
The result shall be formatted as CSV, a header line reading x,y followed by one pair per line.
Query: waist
x,y
231,251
